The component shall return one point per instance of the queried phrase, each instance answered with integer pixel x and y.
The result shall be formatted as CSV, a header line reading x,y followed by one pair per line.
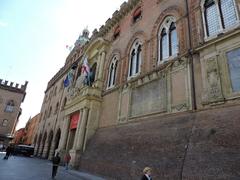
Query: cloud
x,y
3,24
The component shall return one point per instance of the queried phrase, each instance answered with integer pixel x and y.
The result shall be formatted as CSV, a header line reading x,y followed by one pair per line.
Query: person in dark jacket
x,y
9,151
147,174
56,161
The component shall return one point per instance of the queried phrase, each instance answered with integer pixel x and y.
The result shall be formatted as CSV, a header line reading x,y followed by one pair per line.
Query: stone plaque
x,y
149,98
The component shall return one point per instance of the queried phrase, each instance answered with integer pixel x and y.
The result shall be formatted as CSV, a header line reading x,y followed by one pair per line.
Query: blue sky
x,y
33,39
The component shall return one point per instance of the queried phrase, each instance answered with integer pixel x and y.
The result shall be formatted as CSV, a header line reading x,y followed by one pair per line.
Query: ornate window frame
x,y
135,59
165,31
4,123
112,73
10,106
219,12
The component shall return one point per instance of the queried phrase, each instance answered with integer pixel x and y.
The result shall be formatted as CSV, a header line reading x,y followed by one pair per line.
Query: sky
x,y
33,39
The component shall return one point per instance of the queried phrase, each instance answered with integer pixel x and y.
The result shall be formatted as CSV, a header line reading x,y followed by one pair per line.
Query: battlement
x,y
116,17
13,86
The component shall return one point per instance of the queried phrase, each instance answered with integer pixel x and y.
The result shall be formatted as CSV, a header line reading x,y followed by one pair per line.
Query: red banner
x,y
74,120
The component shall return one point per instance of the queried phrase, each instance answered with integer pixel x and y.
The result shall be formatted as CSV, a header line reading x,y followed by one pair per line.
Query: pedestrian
x,y
9,151
55,161
67,159
147,174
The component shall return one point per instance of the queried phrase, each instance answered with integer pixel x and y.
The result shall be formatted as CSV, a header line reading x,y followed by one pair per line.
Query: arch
x,y
50,137
167,39
135,59
141,36
10,106
50,111
39,143
35,140
112,72
64,102
57,107
43,143
176,12
115,53
56,141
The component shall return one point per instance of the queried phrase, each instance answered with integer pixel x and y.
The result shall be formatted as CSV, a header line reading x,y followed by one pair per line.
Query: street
x,y
24,168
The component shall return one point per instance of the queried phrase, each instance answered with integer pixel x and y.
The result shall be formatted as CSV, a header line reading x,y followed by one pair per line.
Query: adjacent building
x,y
30,130
11,97
157,85
19,136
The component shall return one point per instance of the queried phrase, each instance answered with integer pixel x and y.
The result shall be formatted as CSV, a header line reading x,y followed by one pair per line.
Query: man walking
x,y
9,151
55,161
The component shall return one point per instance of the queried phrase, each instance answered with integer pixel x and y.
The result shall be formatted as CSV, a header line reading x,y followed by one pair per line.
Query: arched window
x,y
116,33
112,73
55,91
50,111
135,59
218,15
137,14
56,109
4,122
64,103
173,41
168,40
9,106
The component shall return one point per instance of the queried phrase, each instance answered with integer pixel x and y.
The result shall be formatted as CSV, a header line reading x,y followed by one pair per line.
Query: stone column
x,y
82,128
63,138
78,130
65,129
78,142
35,149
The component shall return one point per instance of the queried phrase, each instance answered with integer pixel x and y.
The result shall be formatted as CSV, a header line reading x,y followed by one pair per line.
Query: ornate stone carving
x,y
213,83
180,107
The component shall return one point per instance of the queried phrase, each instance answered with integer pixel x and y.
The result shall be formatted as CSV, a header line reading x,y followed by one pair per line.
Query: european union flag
x,y
66,82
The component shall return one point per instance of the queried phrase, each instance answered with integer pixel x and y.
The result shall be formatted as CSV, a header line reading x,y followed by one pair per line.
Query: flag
x,y
66,82
85,66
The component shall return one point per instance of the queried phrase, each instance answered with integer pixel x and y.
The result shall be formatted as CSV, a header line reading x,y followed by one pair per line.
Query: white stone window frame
x,y
9,106
4,123
135,47
166,24
221,30
112,74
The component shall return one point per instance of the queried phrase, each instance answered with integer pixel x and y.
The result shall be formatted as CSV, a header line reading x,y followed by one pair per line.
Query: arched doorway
x,y
50,137
38,144
43,143
35,140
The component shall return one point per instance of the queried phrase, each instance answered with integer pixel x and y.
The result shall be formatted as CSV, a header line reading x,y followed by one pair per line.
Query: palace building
x,y
158,85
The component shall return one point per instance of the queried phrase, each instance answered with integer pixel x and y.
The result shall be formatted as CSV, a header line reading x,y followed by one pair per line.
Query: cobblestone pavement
x,y
24,168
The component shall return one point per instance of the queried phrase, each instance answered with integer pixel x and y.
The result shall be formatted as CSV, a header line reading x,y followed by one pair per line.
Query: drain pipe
x,y
190,52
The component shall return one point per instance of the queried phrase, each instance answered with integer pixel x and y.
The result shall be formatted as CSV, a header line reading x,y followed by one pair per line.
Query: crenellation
x,y
16,86
1,81
11,84
6,83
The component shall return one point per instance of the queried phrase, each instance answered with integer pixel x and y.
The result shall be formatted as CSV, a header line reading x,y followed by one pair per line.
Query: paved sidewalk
x,y
24,168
